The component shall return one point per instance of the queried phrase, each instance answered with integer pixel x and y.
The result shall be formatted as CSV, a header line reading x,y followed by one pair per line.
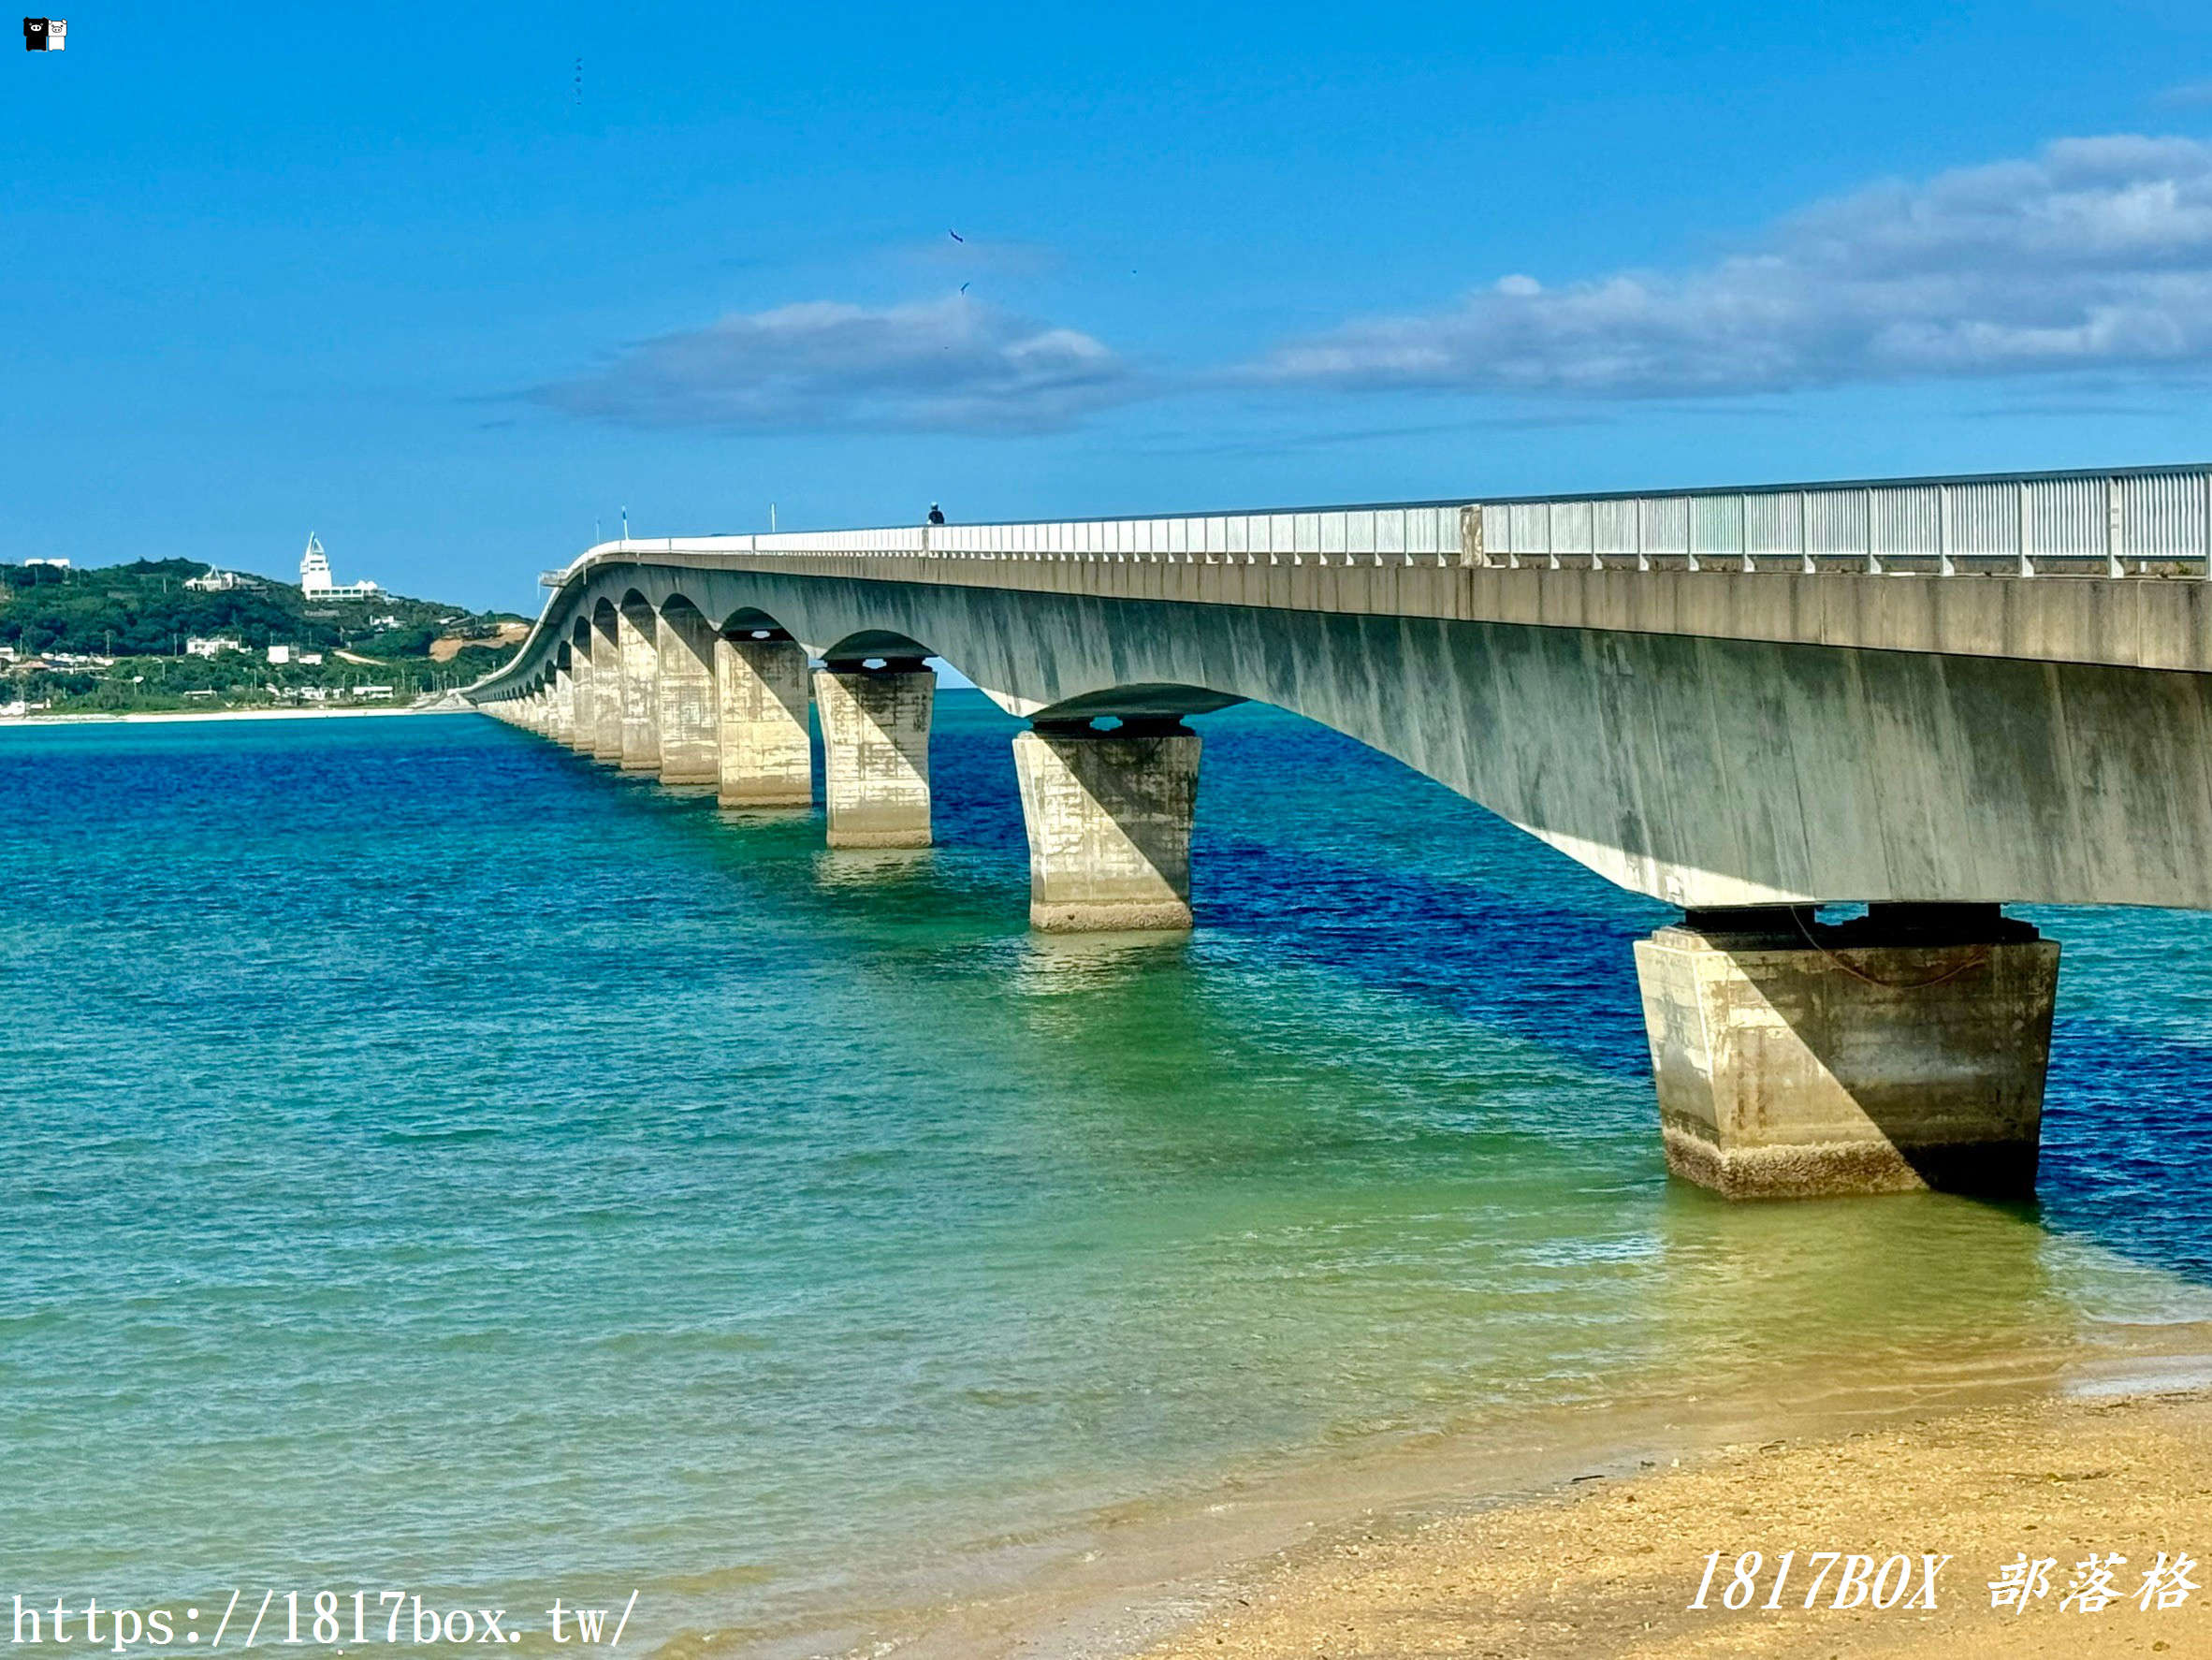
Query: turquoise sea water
x,y
435,1161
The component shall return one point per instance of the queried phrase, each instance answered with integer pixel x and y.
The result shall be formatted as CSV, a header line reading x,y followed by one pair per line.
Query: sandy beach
x,y
1611,1566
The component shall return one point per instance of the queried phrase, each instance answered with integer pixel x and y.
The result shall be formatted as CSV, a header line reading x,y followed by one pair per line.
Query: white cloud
x,y
950,365
2096,254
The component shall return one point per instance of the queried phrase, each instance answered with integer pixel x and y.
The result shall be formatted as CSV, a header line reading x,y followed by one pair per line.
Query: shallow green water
x,y
435,1161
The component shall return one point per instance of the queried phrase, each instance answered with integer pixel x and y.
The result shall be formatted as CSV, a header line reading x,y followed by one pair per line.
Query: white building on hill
x,y
314,577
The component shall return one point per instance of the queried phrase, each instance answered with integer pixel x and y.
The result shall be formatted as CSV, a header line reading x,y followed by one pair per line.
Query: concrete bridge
x,y
1934,696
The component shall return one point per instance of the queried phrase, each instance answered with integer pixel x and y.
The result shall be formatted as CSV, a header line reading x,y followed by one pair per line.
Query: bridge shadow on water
x,y
1338,854
1312,845
1563,979
2127,1128
1410,889
1314,849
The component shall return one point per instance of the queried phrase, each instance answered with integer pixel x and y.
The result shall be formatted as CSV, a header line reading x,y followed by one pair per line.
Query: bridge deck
x,y
2112,567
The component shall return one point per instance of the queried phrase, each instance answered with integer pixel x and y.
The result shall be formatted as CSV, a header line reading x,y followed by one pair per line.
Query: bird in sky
x,y
955,235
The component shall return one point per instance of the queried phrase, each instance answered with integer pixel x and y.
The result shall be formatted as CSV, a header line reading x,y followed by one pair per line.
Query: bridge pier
x,y
875,744
1109,820
563,726
767,759
606,680
635,628
1902,1050
584,710
684,697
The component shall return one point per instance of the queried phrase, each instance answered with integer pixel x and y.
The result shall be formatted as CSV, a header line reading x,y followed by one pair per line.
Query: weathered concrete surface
x,y
1109,816
583,728
1703,771
563,726
684,698
875,744
606,654
767,755
638,630
1876,1057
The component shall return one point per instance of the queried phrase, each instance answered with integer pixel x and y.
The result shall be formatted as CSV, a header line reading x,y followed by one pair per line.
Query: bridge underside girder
x,y
1701,771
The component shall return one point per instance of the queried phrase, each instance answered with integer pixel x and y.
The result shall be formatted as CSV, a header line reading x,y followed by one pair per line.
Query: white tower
x,y
315,568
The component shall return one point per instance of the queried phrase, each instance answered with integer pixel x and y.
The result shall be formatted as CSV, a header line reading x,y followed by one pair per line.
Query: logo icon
x,y
45,34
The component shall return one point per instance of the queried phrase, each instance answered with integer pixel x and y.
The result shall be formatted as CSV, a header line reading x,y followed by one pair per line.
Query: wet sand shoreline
x,y
1583,1530
1611,1566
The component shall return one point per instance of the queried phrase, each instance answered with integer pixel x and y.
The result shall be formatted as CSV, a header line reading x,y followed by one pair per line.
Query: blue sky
x,y
404,278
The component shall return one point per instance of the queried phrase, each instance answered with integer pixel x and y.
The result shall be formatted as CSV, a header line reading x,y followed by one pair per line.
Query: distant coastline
x,y
90,719
160,637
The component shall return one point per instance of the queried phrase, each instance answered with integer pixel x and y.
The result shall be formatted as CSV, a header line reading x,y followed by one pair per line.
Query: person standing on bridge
x,y
936,513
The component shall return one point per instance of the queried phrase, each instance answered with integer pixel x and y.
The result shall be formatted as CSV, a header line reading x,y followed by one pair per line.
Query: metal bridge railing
x,y
2149,522
2135,522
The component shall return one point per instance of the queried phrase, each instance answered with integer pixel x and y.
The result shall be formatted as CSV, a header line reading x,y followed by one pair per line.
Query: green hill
x,y
115,636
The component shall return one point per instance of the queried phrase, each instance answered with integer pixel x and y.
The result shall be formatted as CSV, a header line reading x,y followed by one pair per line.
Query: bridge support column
x,y
606,687
767,758
563,725
1109,819
684,698
636,629
874,742
1902,1050
583,710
